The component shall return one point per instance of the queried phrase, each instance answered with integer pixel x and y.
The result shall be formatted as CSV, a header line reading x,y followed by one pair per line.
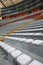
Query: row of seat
x,y
32,30
36,42
17,57
12,19
13,26
34,34
35,26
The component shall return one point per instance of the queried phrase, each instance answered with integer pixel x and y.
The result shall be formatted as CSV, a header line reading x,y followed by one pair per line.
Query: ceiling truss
x,y
6,3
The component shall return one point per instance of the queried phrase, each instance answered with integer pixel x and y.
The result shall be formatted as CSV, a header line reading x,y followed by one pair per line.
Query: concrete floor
x,y
3,61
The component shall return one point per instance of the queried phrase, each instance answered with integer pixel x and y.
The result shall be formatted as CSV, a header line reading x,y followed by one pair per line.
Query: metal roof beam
x,y
2,3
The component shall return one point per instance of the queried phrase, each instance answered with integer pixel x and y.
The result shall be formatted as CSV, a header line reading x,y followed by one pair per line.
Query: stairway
x,y
27,41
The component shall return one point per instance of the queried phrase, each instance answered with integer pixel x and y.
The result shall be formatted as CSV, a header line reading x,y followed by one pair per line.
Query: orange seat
x,y
39,17
36,10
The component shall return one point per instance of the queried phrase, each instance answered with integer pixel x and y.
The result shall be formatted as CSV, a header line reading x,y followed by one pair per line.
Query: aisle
x,y
2,60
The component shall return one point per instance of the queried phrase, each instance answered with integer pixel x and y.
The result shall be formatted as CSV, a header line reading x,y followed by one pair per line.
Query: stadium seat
x,y
24,59
35,62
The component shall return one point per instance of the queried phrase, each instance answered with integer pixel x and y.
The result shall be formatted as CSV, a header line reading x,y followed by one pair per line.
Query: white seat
x,y
26,33
12,57
10,49
37,42
40,29
34,62
31,33
1,43
16,53
18,38
10,38
6,47
22,39
29,40
22,34
37,33
24,59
